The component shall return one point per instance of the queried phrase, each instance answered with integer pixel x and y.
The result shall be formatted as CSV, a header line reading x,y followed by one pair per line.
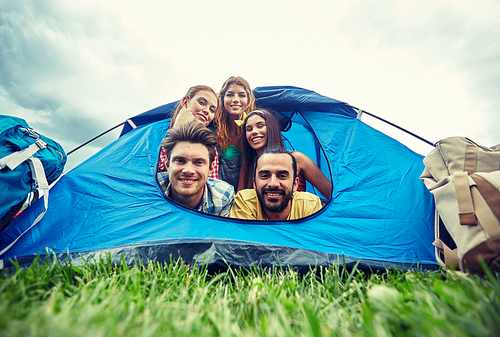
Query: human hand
x,y
184,116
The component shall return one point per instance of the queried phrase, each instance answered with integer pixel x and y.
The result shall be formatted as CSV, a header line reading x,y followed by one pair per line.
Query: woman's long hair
x,y
221,120
273,139
189,95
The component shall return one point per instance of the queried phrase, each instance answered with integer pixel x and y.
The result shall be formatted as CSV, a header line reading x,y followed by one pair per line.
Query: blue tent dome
x,y
380,212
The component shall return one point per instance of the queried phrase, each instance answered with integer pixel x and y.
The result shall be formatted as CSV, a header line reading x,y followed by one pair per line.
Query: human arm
x,y
227,208
313,174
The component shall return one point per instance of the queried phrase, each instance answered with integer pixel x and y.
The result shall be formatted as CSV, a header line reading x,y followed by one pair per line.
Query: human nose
x,y
188,168
273,181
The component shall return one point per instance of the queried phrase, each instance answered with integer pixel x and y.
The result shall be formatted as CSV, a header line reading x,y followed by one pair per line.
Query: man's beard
x,y
274,207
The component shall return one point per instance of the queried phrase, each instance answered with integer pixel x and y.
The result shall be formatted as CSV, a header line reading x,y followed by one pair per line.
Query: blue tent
x,y
380,213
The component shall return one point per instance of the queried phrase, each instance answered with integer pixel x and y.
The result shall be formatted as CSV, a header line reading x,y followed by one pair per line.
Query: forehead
x,y
254,119
209,96
189,150
236,88
275,162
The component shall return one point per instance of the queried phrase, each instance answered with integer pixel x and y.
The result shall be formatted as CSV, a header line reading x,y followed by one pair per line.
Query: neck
x,y
281,216
232,118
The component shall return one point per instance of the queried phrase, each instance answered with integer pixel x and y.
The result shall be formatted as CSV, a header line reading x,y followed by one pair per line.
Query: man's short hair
x,y
192,132
274,150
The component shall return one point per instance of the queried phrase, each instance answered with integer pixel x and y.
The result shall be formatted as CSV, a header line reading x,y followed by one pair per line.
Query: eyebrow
x,y
279,172
194,159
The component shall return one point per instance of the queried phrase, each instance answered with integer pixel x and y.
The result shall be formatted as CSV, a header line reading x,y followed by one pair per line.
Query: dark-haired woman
x,y
262,130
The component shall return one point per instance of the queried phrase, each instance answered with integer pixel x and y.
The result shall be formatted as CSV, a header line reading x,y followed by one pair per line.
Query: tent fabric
x,y
380,214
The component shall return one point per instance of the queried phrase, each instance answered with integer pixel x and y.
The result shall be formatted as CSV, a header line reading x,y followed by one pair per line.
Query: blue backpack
x,y
28,162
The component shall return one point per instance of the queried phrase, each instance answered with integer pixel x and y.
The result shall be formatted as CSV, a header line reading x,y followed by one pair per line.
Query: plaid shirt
x,y
214,171
217,199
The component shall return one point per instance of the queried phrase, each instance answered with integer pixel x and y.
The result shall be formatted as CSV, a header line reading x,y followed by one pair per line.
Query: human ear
x,y
295,184
185,102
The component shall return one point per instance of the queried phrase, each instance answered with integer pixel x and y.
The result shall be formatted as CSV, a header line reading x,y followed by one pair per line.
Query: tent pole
x,y
91,140
360,112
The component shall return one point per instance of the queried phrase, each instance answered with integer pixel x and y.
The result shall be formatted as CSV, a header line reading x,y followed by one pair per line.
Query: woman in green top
x,y
236,99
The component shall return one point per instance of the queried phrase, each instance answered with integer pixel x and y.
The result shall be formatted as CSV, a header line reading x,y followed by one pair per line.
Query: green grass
x,y
106,299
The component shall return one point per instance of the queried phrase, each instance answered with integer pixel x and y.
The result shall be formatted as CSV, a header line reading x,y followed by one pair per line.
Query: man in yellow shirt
x,y
274,196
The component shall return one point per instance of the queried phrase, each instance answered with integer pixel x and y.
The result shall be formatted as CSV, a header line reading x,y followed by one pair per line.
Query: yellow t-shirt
x,y
247,206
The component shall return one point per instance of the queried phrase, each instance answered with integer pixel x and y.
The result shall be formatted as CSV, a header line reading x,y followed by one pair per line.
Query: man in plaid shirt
x,y
190,152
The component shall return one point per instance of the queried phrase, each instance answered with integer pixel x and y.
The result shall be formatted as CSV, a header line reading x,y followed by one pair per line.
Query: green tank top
x,y
231,152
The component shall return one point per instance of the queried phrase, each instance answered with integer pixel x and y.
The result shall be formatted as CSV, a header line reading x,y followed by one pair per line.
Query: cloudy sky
x,y
73,69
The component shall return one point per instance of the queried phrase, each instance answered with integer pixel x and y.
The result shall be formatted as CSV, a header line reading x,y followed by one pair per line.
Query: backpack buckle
x,y
41,144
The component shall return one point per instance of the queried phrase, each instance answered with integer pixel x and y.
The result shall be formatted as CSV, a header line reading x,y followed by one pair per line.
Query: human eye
x,y
229,94
201,102
249,128
212,109
283,175
260,126
178,160
243,94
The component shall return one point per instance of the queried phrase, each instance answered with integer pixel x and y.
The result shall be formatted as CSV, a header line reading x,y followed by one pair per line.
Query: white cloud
x,y
74,69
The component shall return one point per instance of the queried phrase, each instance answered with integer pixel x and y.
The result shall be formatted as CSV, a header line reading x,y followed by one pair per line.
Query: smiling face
x,y
256,132
235,100
202,106
275,184
188,168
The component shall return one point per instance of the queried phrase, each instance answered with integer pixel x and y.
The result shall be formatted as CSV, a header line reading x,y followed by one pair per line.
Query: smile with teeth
x,y
256,139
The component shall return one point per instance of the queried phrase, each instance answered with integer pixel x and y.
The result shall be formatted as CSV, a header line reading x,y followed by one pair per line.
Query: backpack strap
x,y
464,198
40,182
450,255
471,157
486,217
13,160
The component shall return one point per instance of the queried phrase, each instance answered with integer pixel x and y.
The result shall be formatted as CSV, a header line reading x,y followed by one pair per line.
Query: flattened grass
x,y
106,299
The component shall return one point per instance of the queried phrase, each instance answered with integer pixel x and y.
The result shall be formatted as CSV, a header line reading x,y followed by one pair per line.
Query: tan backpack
x,y
465,180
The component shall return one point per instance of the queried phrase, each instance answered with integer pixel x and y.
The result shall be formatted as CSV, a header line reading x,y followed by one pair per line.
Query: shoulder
x,y
298,155
301,158
220,189
306,197
304,204
246,195
246,205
